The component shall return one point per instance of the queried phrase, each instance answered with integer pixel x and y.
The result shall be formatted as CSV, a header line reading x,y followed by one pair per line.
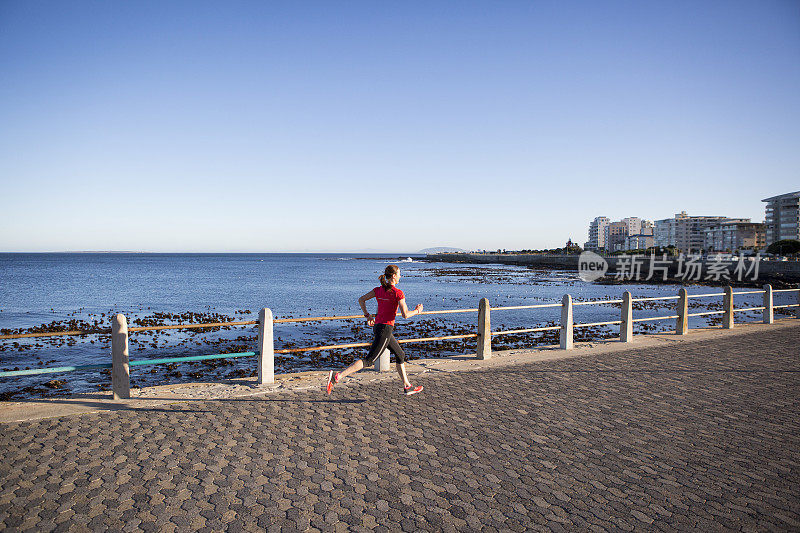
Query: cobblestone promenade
x,y
700,435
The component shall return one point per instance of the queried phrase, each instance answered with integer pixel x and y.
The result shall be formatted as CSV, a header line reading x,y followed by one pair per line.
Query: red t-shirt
x,y
388,300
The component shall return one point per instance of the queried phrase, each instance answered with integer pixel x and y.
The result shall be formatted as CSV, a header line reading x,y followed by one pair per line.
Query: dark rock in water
x,y
7,396
55,384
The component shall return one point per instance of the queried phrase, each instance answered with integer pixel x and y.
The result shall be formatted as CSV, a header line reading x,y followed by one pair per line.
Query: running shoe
x,y
408,391
333,379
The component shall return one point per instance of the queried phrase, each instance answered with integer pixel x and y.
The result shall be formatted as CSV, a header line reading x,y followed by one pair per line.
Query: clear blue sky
x,y
391,126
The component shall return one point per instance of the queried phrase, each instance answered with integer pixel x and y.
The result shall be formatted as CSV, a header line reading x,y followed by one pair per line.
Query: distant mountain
x,y
441,249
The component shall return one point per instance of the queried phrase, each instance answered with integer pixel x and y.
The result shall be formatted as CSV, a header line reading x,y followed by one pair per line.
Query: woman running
x,y
389,299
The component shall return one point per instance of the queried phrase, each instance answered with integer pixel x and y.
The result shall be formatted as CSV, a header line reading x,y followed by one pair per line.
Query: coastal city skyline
x,y
197,127
700,233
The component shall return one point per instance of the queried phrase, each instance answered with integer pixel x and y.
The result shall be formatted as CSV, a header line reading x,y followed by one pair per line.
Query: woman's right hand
x,y
370,320
418,308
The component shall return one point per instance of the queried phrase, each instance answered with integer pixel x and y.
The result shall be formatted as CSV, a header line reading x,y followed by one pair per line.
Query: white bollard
x,y
484,330
266,348
120,369
565,334
383,362
626,328
682,324
727,308
769,316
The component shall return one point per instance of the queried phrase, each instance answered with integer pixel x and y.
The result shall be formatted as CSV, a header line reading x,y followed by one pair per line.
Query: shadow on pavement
x,y
173,404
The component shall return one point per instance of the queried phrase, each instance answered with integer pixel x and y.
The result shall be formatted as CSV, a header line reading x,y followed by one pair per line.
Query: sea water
x,y
46,288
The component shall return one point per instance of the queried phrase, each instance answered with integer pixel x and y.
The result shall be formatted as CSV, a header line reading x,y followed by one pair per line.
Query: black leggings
x,y
384,339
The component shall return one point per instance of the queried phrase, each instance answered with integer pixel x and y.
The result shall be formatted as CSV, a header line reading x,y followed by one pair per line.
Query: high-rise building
x,y
641,240
782,219
615,234
618,234
634,225
684,232
735,234
665,230
597,229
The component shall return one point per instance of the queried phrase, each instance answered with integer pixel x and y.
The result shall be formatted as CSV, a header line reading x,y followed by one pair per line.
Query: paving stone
x,y
700,435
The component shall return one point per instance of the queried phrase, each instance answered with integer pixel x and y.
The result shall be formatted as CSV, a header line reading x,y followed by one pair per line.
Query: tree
x,y
784,247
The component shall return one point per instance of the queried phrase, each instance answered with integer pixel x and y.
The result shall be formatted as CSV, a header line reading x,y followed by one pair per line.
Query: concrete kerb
x,y
147,399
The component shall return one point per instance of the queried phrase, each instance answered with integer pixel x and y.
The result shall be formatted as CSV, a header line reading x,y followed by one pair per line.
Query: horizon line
x,y
204,252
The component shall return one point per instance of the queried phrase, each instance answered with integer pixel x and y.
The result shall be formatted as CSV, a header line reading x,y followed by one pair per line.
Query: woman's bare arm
x,y
363,303
404,309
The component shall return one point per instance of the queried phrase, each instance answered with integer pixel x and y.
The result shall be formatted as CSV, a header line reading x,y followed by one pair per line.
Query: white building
x,y
597,234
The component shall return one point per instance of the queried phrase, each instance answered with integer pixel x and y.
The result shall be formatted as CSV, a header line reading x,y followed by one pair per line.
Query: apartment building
x,y
633,225
615,234
684,232
631,233
643,239
782,219
597,238
735,234
639,242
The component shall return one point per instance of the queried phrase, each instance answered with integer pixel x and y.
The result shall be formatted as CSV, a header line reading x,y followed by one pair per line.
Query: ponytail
x,y
387,275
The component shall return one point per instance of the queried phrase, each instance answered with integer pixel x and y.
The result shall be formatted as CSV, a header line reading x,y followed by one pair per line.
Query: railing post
x,y
266,348
565,334
383,363
120,370
797,309
727,308
484,330
682,324
769,316
626,328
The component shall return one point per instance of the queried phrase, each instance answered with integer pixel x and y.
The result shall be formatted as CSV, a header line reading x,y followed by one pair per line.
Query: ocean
x,y
79,290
